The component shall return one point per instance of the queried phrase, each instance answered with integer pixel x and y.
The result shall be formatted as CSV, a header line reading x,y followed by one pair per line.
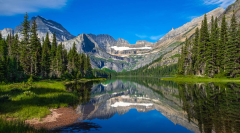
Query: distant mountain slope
x,y
44,26
99,57
170,44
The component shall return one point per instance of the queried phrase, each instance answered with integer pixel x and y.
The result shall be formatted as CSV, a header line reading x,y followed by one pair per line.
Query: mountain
x,y
99,57
6,31
44,26
170,44
104,41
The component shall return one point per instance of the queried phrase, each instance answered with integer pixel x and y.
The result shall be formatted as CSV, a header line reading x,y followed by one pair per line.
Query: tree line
x,y
20,59
214,52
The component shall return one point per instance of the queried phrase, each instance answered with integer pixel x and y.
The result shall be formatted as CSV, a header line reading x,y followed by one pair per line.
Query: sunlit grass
x,y
26,102
200,79
17,126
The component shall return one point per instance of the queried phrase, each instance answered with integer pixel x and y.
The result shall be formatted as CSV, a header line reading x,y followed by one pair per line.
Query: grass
x,y
17,126
174,56
175,44
108,70
26,102
200,79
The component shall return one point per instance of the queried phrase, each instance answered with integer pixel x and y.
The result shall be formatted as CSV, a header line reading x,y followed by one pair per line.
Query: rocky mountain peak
x,y
45,25
143,42
120,40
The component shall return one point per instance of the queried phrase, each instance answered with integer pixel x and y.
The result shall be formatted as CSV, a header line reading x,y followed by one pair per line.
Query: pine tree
x,y
0,36
59,60
238,50
25,60
195,52
181,62
35,48
211,50
3,60
53,72
89,73
25,30
45,61
230,59
54,46
222,45
203,45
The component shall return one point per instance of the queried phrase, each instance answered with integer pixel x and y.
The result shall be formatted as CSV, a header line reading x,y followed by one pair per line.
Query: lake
x,y
152,105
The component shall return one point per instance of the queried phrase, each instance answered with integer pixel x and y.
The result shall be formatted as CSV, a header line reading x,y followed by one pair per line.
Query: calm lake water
x,y
151,105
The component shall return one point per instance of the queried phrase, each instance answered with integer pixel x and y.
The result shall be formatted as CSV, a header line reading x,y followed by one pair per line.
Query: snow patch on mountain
x,y
128,48
124,104
54,27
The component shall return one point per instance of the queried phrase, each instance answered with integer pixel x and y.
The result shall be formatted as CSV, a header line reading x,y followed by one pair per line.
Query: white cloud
x,y
155,37
222,3
13,7
141,36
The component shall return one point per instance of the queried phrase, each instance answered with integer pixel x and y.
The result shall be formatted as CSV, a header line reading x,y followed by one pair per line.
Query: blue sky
x,y
128,19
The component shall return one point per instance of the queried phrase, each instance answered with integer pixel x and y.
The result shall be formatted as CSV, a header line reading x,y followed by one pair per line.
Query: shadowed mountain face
x,y
44,26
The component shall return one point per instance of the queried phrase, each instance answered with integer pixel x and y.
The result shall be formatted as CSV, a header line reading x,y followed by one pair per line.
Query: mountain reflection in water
x,y
152,105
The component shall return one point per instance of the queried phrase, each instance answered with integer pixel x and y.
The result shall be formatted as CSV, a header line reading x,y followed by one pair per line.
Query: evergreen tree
x,y
35,50
231,49
45,61
203,45
59,60
89,73
25,30
54,46
53,72
222,45
3,60
181,62
195,52
211,50
25,59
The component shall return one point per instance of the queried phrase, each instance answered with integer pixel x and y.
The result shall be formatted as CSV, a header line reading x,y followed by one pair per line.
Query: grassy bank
x,y
17,126
200,79
23,101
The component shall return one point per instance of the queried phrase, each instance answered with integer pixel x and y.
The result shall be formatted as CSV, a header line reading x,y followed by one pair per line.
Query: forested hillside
x,y
214,52
154,71
28,57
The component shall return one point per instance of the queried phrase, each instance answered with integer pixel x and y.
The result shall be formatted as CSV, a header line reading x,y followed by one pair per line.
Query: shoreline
x,y
58,118
199,79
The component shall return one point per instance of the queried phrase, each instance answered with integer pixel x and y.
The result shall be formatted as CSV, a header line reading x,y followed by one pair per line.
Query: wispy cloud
x,y
149,37
193,17
141,36
222,3
155,37
13,7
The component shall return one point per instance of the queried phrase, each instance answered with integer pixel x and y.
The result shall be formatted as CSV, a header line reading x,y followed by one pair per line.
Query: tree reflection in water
x,y
80,126
215,106
82,89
